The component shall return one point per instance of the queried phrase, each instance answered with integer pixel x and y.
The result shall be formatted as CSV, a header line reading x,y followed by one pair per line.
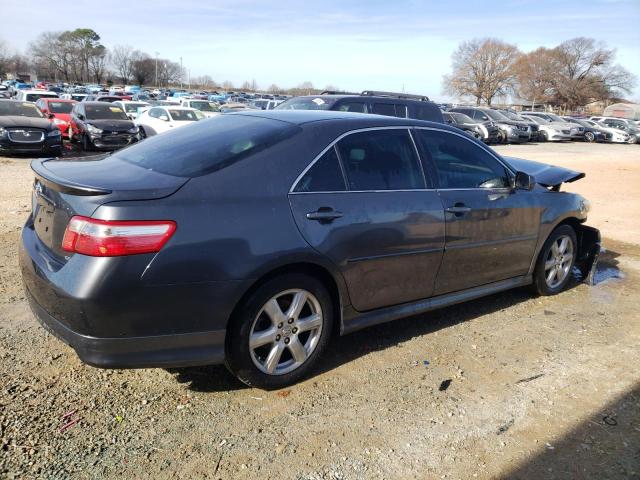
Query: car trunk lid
x,y
64,188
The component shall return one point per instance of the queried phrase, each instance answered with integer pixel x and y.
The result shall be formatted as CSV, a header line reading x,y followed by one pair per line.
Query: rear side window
x,y
387,109
401,111
460,163
358,107
324,176
380,160
207,145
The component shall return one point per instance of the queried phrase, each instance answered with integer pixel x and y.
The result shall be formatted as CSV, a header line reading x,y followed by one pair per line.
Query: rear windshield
x,y
184,115
307,103
60,107
34,97
22,109
105,112
208,145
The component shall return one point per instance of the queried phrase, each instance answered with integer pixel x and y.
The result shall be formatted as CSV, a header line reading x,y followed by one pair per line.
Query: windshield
x,y
307,103
184,115
462,118
205,106
34,97
21,109
538,120
133,107
494,115
213,144
511,116
555,118
60,107
104,112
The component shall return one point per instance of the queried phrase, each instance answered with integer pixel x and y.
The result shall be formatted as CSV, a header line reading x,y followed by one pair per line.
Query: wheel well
x,y
572,222
310,269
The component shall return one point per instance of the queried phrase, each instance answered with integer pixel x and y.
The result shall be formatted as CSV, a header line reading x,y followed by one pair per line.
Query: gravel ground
x,y
508,386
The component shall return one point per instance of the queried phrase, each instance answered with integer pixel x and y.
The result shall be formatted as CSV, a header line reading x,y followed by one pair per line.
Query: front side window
x,y
380,160
324,176
156,112
460,163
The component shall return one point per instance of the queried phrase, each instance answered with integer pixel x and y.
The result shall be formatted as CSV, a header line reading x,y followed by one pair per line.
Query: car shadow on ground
x,y
604,446
341,350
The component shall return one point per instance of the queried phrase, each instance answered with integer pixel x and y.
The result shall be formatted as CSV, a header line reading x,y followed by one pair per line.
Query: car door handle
x,y
459,209
324,215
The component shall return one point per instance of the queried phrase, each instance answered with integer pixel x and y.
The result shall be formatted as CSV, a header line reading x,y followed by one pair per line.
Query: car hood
x,y
544,174
18,121
112,125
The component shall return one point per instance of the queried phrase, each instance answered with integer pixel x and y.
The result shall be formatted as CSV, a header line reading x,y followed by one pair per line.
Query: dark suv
x,y
250,237
391,104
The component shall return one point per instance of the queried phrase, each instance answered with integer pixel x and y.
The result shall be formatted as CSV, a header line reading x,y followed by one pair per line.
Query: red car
x,y
57,110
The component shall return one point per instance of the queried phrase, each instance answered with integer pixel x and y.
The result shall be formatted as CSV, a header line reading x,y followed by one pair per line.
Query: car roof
x,y
358,120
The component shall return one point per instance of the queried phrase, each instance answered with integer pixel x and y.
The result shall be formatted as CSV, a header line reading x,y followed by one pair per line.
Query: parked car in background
x,y
533,126
265,104
25,129
382,103
617,136
576,132
158,120
102,126
592,133
58,110
208,109
101,98
550,131
131,108
627,126
234,107
78,97
249,239
34,95
510,131
484,131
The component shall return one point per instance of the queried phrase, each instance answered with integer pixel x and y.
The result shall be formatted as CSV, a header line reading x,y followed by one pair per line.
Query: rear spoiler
x,y
59,184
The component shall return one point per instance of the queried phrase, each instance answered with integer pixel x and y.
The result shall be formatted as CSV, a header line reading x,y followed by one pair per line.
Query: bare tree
x,y
483,69
273,88
98,63
534,76
143,67
227,85
584,69
121,59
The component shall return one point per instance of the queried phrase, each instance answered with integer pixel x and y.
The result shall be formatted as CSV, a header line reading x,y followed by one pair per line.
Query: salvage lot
x,y
533,387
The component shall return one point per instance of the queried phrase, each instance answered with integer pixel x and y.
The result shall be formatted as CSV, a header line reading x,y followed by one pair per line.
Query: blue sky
x,y
354,45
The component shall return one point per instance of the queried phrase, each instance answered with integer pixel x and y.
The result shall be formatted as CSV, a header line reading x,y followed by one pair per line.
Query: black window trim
x,y
333,144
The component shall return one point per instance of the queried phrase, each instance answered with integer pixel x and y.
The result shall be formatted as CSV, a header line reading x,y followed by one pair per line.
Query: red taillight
x,y
106,238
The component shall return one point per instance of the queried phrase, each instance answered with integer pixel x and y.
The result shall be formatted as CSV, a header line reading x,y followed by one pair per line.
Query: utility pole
x,y
157,69
181,72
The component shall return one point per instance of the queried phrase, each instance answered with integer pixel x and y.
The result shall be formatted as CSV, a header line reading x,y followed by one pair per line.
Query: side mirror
x,y
80,116
51,116
524,181
164,118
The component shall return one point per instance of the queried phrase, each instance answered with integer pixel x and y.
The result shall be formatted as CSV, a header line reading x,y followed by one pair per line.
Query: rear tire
x,y
555,262
590,137
270,344
143,133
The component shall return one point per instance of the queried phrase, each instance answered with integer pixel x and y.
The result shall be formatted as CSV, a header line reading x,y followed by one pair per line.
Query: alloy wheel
x,y
286,331
589,137
558,262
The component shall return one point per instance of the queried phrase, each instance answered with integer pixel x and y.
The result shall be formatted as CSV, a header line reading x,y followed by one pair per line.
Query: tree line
x,y
571,74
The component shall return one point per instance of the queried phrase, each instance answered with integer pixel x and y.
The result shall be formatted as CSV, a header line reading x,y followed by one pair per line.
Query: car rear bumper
x,y
180,350
113,319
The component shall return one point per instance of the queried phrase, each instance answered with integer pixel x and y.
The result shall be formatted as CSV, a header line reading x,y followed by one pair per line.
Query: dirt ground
x,y
508,386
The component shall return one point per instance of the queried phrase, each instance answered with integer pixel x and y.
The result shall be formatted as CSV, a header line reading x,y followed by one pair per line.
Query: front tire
x,y
280,332
86,143
590,137
555,261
